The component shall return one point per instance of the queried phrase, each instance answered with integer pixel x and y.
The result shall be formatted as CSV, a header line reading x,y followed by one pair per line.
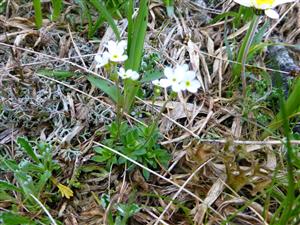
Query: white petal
x,y
189,75
272,14
156,82
176,87
101,60
123,58
106,55
134,76
116,52
183,67
279,2
111,46
122,45
98,58
168,71
121,71
195,84
247,3
192,89
179,74
165,83
182,86
124,74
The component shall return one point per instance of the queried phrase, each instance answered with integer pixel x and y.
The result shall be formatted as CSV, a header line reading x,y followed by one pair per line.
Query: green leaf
x,y
130,24
27,166
146,174
139,152
26,183
38,13
42,181
99,150
8,186
6,164
57,7
101,8
136,37
100,159
136,45
237,68
14,219
6,196
105,200
151,76
59,74
27,148
109,89
128,210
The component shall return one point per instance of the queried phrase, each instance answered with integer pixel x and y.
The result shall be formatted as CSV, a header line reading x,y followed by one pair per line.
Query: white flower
x,y
266,5
180,79
173,77
128,74
190,82
115,53
102,60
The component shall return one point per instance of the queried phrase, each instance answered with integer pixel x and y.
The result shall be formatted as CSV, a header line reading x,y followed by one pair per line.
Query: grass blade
x,y
101,8
57,7
38,13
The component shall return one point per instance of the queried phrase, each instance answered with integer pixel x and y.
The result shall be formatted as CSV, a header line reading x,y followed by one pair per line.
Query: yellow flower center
x,y
261,3
115,56
188,83
174,79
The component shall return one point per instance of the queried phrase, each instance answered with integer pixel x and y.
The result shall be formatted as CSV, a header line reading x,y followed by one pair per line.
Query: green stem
x,y
252,28
155,122
119,108
119,99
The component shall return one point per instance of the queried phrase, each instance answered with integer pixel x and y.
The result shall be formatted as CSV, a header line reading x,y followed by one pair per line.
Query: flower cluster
x,y
116,54
179,79
266,5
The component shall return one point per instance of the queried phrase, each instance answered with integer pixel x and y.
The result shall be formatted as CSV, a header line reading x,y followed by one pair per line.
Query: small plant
x,y
34,177
120,213
140,143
